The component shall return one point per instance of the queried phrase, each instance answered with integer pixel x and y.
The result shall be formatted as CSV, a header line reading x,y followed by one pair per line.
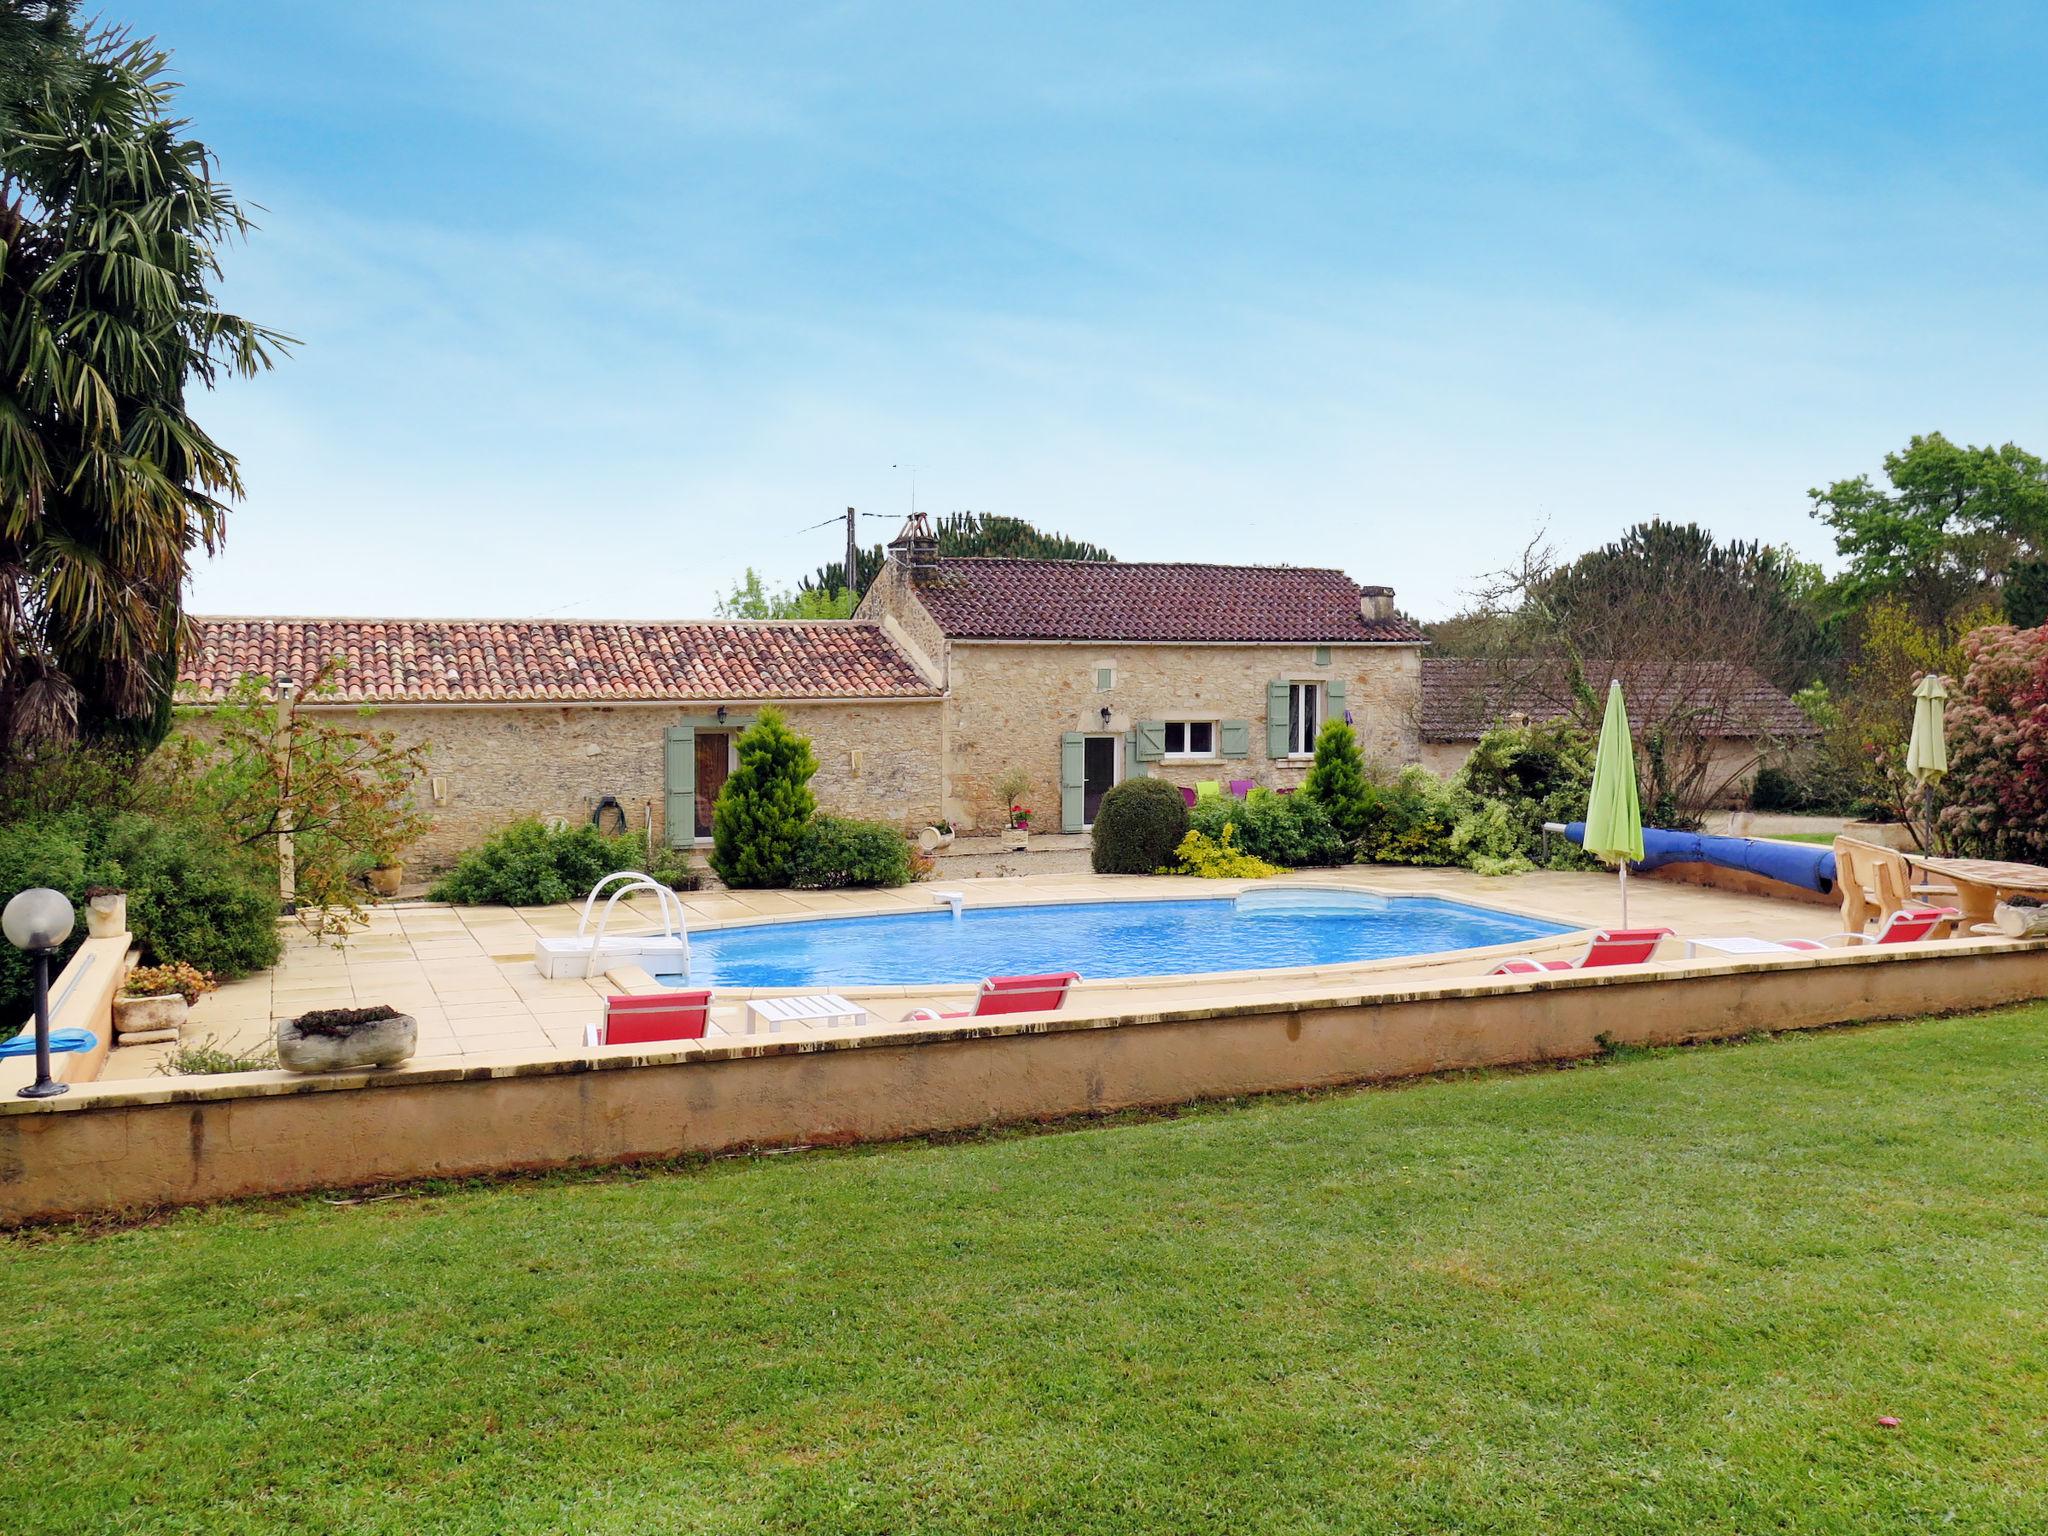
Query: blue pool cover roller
x,y
1797,864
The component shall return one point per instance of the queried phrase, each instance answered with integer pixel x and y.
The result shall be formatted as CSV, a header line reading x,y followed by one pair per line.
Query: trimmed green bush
x,y
1292,831
528,864
1535,774
193,896
839,851
766,806
1338,781
1137,828
1412,821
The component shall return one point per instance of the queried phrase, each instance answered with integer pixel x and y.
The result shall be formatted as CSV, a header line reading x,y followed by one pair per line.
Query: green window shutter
x,y
1276,718
679,783
1133,768
1151,740
1322,655
1073,781
1236,738
1333,699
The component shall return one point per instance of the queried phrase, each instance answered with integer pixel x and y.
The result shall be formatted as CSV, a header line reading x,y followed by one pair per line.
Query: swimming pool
x,y
1261,930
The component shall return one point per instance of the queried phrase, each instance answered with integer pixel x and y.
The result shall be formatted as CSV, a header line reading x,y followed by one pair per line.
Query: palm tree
x,y
109,223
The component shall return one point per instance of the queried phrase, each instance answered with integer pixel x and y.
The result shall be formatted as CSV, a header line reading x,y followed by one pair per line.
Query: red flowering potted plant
x,y
1017,818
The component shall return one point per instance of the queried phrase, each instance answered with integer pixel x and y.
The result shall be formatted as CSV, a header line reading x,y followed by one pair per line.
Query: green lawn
x,y
1670,1293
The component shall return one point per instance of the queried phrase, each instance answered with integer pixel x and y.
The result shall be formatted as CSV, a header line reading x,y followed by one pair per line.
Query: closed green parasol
x,y
1927,751
1614,815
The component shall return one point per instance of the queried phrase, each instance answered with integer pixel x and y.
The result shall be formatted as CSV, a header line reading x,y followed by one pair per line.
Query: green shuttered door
x,y
1073,781
679,783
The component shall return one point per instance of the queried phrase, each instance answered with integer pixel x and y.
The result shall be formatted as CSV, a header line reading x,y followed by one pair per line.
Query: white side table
x,y
817,1010
1738,946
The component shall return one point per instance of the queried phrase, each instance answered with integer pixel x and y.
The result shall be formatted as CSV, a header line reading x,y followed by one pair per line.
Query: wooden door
x,y
714,762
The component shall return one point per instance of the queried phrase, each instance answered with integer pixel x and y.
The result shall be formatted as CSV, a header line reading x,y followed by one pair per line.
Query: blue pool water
x,y
1261,931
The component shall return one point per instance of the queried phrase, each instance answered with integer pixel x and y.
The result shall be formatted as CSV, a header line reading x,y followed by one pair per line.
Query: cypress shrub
x,y
1137,828
1338,781
766,806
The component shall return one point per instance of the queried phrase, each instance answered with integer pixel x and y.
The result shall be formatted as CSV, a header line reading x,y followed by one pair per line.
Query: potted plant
x,y
936,836
2022,917
106,912
386,872
1017,835
1016,818
344,1039
155,1000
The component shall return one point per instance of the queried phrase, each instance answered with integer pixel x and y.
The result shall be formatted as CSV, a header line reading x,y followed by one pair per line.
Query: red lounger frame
x,y
1610,946
650,1016
1012,994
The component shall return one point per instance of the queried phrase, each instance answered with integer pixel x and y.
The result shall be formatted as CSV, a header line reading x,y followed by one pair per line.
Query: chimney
x,y
916,547
1376,604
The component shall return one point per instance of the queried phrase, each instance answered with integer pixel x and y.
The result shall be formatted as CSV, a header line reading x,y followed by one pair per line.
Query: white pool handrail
x,y
673,921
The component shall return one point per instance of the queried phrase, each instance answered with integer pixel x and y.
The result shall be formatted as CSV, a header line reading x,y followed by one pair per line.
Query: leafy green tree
x,y
1868,724
751,599
1338,780
110,223
761,816
965,534
1949,532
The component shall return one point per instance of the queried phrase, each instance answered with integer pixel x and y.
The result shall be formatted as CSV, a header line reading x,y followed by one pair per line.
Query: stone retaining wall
x,y
129,1147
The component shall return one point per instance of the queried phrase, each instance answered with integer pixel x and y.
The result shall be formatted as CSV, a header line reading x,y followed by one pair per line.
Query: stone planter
x,y
1016,839
931,840
381,1043
106,917
385,879
146,1020
2021,922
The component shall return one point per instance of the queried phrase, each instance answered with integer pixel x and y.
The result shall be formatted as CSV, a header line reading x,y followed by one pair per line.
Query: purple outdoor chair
x,y
1240,789
1187,793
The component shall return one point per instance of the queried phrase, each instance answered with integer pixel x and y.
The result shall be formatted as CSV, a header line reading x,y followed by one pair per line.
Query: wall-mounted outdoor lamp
x,y
1105,714
37,921
721,714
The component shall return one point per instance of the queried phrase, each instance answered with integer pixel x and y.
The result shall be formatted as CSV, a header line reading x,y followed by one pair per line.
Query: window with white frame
x,y
1190,738
1304,717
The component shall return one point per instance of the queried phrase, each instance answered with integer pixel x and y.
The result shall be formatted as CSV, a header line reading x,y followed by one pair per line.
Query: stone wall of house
x,y
1009,705
892,602
878,760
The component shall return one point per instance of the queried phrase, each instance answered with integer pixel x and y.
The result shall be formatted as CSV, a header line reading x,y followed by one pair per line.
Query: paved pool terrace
x,y
467,973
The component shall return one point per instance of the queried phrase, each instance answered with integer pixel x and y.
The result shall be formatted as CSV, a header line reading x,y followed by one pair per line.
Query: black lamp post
x,y
38,921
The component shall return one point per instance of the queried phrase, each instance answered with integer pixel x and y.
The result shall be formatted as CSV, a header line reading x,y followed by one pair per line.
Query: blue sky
x,y
601,304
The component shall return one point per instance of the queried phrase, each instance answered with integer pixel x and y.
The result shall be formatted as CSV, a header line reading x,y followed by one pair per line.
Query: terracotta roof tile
x,y
990,599
1462,699
538,660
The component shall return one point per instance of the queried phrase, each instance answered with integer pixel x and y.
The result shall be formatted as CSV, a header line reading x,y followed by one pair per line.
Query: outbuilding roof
x,y
505,661
992,599
1462,699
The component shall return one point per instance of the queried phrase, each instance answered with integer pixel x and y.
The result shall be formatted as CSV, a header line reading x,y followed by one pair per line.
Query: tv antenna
x,y
911,470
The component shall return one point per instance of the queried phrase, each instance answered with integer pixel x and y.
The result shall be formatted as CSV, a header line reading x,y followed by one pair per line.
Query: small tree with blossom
x,y
1996,789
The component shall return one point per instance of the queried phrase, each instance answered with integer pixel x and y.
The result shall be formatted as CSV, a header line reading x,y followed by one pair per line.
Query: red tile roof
x,y
537,660
990,599
1462,699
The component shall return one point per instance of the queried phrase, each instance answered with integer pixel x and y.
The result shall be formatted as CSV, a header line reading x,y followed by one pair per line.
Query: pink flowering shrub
x,y
1997,785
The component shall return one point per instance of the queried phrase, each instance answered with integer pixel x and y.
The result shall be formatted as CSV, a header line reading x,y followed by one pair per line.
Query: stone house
x,y
537,717
1077,674
951,674
1741,721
